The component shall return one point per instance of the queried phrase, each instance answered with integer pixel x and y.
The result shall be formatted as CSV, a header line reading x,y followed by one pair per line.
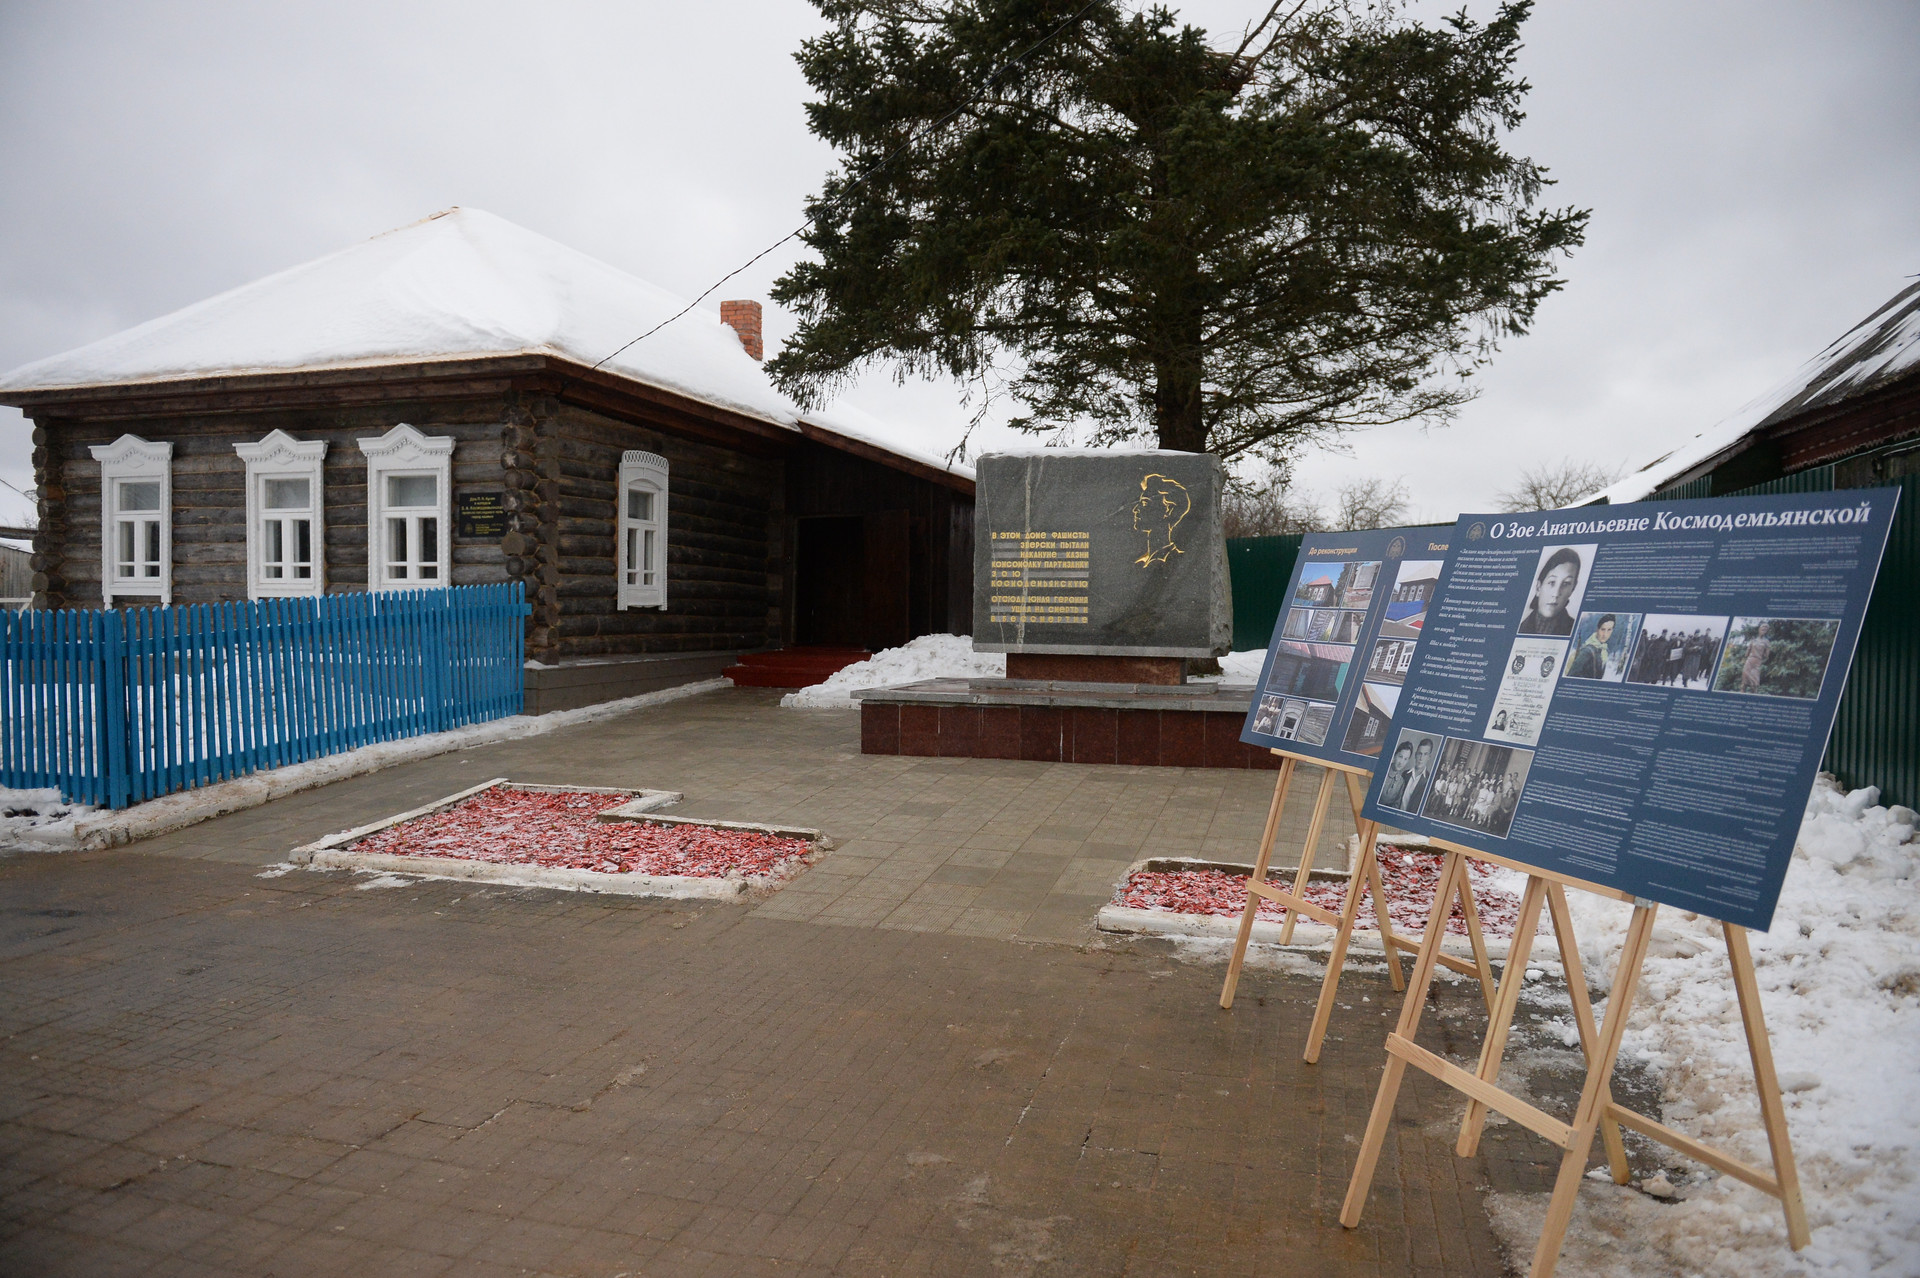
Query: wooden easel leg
x,y
1363,873
1314,825
1511,980
1382,915
1267,837
1583,1021
1593,1102
1357,1189
1772,1113
1367,870
1477,940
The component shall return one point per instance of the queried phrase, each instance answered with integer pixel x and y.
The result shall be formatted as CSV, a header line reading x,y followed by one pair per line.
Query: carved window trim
x,y
281,456
403,453
131,459
640,550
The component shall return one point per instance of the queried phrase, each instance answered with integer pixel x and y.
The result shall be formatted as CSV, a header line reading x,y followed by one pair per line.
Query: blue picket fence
x,y
113,707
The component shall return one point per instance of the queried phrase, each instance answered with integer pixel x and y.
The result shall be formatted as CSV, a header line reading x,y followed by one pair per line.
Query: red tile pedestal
x,y
1196,726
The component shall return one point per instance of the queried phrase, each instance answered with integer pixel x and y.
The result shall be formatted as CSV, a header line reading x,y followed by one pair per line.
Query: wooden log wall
x,y
726,539
209,495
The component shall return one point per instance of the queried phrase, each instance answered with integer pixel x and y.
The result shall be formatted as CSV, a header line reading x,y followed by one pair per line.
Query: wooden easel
x,y
1366,875
1597,1111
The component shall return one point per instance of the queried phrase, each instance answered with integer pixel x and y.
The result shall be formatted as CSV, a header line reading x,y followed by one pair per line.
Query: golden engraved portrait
x,y
1162,504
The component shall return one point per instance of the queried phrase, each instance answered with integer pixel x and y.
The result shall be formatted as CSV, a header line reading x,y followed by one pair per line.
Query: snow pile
x,y
1839,976
953,657
88,828
28,817
1242,667
928,657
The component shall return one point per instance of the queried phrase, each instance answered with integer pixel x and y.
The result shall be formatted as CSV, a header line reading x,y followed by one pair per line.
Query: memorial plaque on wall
x,y
480,514
1105,553
1355,607
1637,696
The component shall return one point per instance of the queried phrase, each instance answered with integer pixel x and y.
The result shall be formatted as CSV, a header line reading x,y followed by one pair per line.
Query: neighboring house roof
x,y
458,285
1880,350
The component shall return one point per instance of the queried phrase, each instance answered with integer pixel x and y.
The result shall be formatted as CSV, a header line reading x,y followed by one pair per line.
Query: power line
x,y
885,160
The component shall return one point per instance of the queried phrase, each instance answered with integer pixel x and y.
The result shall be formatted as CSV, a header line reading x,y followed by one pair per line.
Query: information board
x,y
1637,696
1355,608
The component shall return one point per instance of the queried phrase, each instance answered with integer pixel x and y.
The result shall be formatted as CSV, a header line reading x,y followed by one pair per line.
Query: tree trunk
x,y
1176,405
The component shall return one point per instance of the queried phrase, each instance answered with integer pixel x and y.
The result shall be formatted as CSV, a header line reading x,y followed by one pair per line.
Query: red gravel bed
x,y
1410,879
503,826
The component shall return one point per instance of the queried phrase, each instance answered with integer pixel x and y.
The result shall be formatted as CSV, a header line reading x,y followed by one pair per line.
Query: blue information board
x,y
1637,696
1354,609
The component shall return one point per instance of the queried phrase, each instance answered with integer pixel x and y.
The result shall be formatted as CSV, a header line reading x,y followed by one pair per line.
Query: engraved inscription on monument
x,y
1040,577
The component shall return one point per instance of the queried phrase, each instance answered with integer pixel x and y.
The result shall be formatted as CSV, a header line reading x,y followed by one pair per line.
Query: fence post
x,y
112,691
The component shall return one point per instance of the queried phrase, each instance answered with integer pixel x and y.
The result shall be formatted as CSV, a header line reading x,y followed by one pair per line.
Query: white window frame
x,y
281,456
647,472
402,452
133,458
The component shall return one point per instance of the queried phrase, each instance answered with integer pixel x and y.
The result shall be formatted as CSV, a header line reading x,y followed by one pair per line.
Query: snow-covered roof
x,y
1880,349
461,284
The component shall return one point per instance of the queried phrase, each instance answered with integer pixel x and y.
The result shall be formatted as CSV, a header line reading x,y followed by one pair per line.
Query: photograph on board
x,y
1314,723
1408,769
1357,582
1320,585
1372,718
1323,625
1559,583
1601,644
1477,786
1388,661
1776,656
1266,719
1413,588
1676,650
1532,672
1317,670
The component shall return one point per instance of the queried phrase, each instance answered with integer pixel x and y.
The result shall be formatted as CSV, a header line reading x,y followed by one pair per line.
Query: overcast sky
x,y
1753,170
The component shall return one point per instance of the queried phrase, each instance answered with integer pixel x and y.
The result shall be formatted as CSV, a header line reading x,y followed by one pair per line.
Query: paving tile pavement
x,y
207,1068
974,847
207,1072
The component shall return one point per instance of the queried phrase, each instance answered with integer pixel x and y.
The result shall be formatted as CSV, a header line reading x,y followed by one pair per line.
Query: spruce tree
x,y
1236,250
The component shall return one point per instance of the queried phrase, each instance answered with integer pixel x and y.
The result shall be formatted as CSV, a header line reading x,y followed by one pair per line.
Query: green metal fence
x,y
1259,568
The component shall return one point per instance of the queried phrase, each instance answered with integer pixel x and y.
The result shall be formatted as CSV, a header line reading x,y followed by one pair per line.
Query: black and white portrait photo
x,y
1676,650
1408,768
1559,582
1478,786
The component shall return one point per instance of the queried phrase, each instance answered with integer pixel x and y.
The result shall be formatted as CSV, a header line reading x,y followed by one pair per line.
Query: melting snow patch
x,y
1839,977
383,881
37,820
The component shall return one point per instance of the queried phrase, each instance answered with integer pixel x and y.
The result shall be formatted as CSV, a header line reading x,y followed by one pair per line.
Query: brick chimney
x,y
744,319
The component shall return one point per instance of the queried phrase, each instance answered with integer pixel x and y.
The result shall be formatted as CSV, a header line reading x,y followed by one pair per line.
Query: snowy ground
x,y
1839,977
44,824
949,657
